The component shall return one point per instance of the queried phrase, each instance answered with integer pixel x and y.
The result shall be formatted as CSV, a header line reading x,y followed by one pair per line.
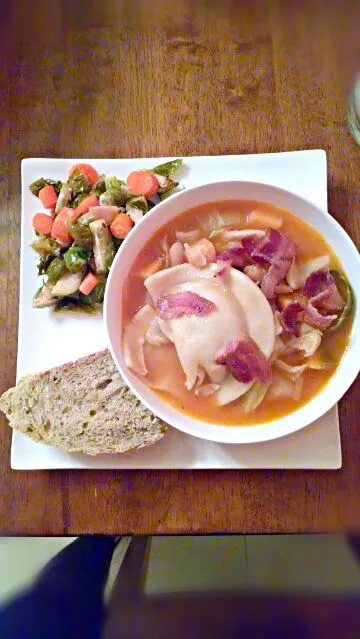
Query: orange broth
x,y
164,368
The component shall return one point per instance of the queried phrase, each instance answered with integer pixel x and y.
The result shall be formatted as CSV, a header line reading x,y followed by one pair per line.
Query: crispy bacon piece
x,y
244,360
174,305
289,318
314,318
321,288
237,256
276,250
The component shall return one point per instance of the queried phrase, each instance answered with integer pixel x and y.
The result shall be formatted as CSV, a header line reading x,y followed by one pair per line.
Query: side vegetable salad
x,y
84,222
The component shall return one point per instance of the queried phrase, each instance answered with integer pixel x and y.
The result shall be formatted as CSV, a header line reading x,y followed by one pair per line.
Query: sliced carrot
x,y
42,223
88,170
121,226
85,204
142,183
88,284
47,196
59,230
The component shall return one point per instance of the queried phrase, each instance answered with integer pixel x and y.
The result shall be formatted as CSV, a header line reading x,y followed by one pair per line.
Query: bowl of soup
x,y
231,311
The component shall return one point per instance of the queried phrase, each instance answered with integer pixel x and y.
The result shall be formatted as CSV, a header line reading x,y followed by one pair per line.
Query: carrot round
x,y
85,204
121,226
88,284
142,183
88,170
59,229
47,196
42,223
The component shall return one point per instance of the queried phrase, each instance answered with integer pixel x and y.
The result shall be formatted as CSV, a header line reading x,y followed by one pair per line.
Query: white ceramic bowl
x,y
169,209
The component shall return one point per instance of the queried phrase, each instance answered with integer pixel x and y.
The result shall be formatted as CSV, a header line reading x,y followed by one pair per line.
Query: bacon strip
x,y
289,318
244,361
276,250
321,288
170,306
237,256
314,318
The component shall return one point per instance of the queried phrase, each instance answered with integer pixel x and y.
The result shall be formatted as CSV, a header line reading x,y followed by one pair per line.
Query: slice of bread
x,y
83,406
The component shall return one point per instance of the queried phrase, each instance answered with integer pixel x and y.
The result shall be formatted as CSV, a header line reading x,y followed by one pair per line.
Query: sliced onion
x,y
164,247
278,326
230,390
188,236
293,371
279,346
255,396
231,235
317,264
201,374
308,342
298,386
207,390
294,276
298,273
281,387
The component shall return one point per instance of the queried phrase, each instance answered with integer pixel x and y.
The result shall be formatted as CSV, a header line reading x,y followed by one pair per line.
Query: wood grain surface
x,y
119,79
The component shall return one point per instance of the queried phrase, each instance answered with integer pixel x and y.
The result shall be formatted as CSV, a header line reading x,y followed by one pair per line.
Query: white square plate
x,y
47,339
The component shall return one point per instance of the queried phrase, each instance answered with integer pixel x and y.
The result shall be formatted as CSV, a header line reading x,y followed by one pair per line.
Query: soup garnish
x,y
232,311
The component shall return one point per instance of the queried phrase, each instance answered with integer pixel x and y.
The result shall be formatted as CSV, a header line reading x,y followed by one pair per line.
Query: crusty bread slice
x,y
83,406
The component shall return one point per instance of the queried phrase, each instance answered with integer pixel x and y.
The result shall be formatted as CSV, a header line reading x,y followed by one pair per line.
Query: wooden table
x,y
185,78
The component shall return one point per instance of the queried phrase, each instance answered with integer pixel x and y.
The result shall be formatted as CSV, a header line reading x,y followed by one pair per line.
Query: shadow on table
x,y
67,601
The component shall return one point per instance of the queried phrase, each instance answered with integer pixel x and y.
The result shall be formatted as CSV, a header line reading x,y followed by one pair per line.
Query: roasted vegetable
x,y
78,182
99,187
112,182
114,197
74,303
64,197
81,233
44,297
75,258
78,199
56,269
67,284
46,246
168,169
176,189
39,184
136,207
343,283
85,219
165,184
44,263
97,294
104,249
83,241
